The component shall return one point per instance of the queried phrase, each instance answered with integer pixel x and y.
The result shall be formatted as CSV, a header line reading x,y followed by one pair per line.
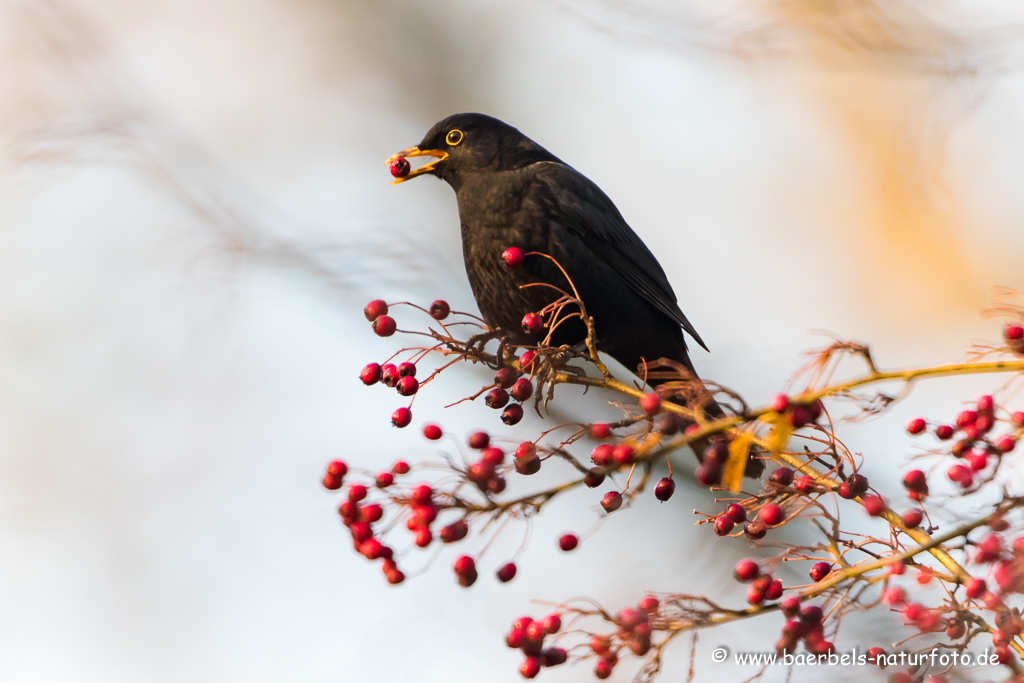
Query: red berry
x,y
400,467
746,570
790,606
717,451
522,389
916,425
944,432
512,414
375,309
623,453
356,492
384,326
454,532
370,374
811,614
978,460
492,456
975,588
602,454
527,450
422,537
479,440
960,474
513,257
724,526
783,476
774,591
820,570
496,398
384,480
532,323
439,310
1017,418
530,667
407,386
650,403
805,484
1006,444
505,377
771,514
1013,332
568,542
553,656
507,572
603,669
464,564
389,374
912,518
755,530
401,417
894,595
779,403
611,501
432,431
552,624
915,480
600,430
332,482
815,409
628,619
736,513
421,494
799,416
594,478
709,473
966,417
874,654
858,484
400,167
664,489
874,505
648,603
526,360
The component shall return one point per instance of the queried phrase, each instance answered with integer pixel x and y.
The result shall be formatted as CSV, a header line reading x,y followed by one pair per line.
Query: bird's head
x,y
472,143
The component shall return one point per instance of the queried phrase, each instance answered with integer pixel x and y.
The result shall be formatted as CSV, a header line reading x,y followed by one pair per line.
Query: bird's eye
x,y
454,137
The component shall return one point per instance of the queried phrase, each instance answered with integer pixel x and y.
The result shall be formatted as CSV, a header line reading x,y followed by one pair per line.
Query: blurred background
x,y
194,209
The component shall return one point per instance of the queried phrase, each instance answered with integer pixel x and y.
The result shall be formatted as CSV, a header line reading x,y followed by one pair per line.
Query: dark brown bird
x,y
514,193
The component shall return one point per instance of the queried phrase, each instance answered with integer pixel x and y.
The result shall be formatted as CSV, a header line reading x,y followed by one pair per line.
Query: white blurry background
x,y
193,210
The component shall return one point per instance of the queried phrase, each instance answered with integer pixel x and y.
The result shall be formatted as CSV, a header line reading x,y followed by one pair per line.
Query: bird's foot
x,y
480,341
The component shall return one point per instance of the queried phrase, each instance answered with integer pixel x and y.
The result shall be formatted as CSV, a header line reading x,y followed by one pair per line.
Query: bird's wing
x,y
573,201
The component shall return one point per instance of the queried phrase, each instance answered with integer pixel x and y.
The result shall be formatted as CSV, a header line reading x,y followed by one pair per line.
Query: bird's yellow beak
x,y
417,152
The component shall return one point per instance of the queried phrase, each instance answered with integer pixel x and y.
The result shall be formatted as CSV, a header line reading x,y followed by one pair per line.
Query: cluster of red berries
x,y
528,635
797,413
1007,573
609,457
360,516
762,586
974,447
508,384
401,377
807,624
485,472
634,627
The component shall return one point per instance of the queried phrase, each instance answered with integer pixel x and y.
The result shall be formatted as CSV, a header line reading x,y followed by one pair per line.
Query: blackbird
x,y
514,193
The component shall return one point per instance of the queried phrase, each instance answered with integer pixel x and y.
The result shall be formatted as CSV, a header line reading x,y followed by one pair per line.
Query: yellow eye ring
x,y
454,137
